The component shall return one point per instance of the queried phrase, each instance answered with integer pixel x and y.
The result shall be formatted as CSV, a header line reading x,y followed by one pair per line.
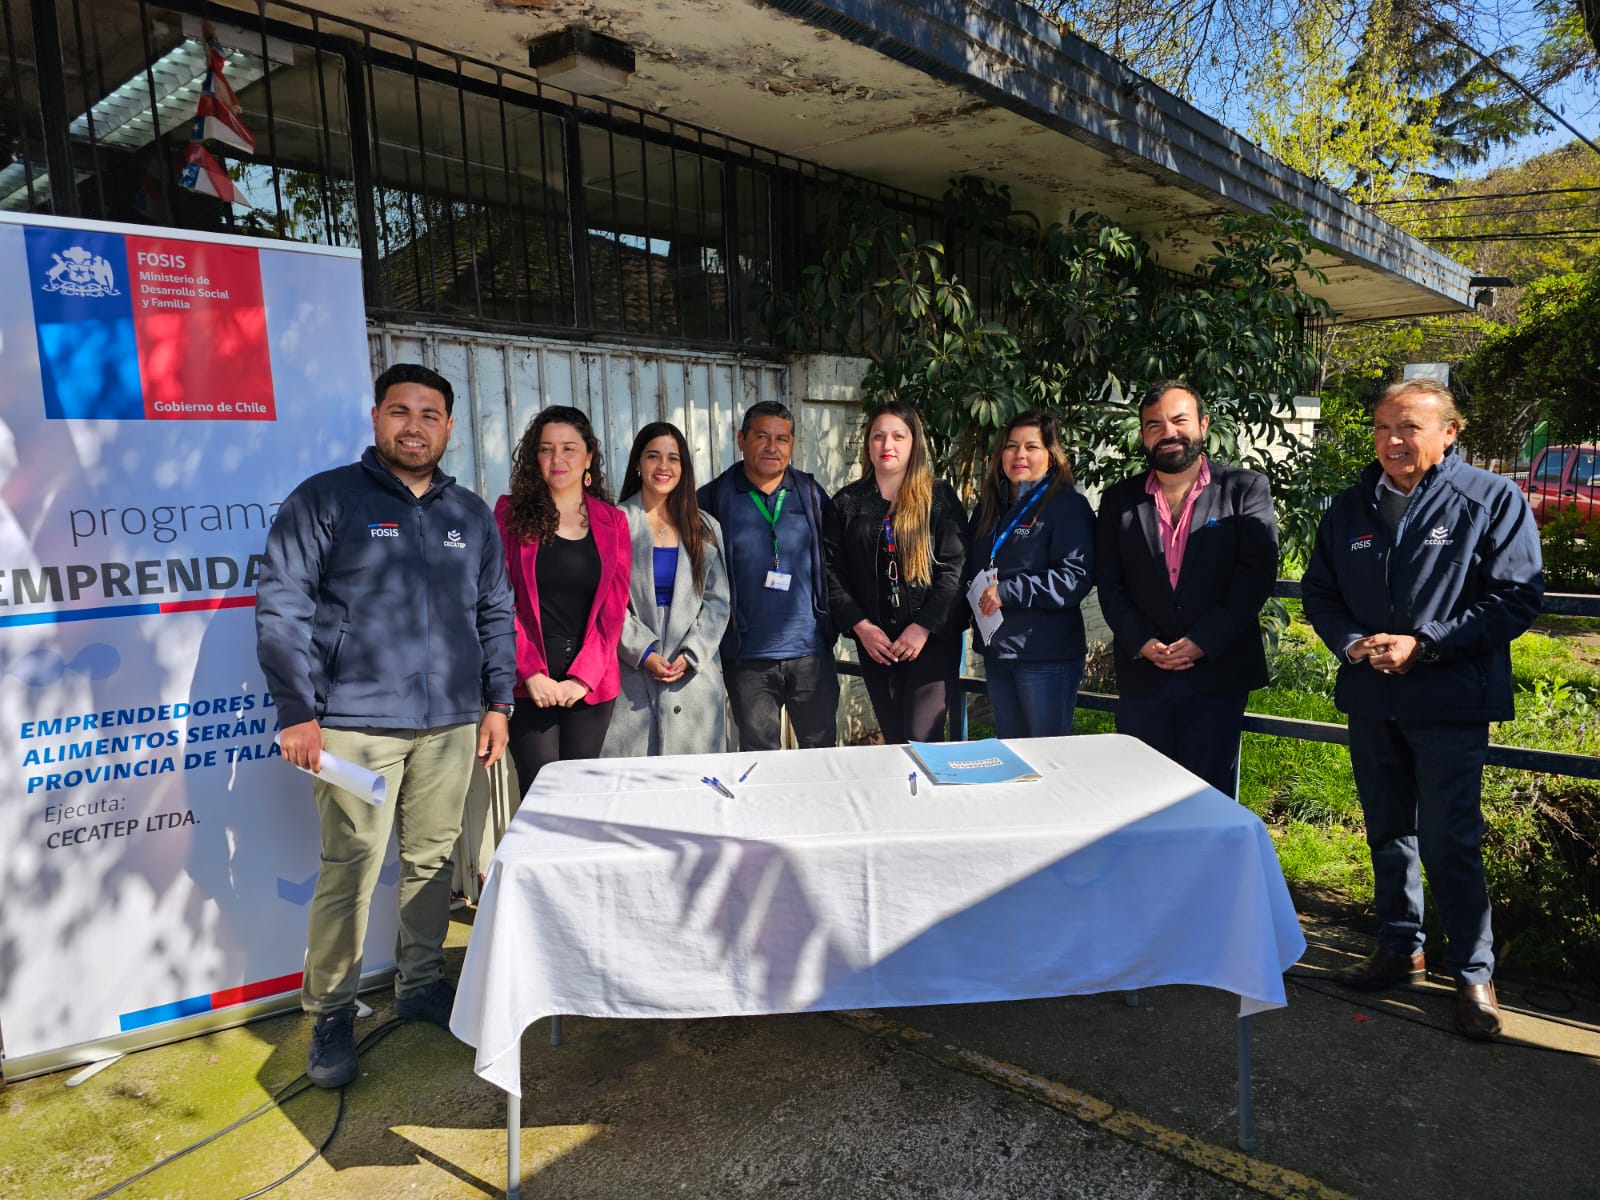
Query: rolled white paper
x,y
358,781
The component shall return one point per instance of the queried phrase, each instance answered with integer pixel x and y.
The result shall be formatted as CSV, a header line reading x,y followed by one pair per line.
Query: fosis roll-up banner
x,y
161,392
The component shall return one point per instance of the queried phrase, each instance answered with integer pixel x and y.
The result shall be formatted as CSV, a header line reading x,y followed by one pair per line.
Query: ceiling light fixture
x,y
578,59
122,119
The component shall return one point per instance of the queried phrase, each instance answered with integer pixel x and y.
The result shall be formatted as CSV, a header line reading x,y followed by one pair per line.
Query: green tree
x,y
1082,321
1545,366
1365,128
1463,78
1523,221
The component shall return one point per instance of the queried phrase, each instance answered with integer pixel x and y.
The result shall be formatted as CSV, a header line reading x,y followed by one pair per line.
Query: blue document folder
x,y
988,760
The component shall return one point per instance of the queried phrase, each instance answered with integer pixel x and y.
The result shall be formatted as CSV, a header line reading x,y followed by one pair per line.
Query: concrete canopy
x,y
911,93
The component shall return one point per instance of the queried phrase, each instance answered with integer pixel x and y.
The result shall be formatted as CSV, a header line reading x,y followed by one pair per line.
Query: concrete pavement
x,y
1078,1097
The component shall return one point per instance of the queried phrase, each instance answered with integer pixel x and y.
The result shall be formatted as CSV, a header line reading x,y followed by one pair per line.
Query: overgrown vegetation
x,y
1545,366
1542,841
1571,553
1080,320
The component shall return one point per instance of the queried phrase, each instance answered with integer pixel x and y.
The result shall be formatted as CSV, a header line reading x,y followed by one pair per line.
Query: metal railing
x,y
1522,758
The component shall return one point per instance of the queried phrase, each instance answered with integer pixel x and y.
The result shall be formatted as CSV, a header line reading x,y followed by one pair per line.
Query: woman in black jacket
x,y
895,543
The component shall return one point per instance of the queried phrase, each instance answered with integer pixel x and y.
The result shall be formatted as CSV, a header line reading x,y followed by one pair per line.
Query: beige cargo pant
x,y
427,771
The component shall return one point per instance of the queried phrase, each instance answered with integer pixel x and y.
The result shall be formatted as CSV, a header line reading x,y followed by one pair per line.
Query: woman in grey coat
x,y
672,699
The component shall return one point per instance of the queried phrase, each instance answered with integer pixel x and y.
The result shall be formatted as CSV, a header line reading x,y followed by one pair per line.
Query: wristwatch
x,y
504,708
1427,651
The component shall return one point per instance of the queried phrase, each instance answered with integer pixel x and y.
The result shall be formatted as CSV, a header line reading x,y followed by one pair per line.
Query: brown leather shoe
x,y
1477,1010
1383,969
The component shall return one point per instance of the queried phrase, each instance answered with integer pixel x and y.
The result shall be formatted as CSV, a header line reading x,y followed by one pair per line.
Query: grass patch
x,y
1089,720
1325,856
1539,657
1282,779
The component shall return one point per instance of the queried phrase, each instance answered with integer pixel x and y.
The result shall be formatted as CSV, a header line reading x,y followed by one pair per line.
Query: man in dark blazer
x,y
1186,555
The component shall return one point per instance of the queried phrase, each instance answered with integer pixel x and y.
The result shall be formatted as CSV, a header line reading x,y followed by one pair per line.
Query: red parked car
x,y
1563,477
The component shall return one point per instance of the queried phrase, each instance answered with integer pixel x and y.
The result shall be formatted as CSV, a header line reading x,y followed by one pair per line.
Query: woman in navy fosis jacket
x,y
1033,534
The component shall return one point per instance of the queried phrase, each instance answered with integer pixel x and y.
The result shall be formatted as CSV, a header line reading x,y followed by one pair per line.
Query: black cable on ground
x,y
338,1116
282,1096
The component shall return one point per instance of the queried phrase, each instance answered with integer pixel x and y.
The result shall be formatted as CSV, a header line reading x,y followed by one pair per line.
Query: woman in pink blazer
x,y
569,554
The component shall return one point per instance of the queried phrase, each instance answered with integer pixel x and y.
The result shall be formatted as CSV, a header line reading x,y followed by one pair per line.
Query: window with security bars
x,y
470,218
131,81
473,194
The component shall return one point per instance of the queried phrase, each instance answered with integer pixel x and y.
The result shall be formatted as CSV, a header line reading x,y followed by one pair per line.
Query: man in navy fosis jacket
x,y
384,628
1423,574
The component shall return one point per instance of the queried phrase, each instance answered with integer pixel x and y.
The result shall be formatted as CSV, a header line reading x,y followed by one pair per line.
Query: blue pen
x,y
716,783
912,780
747,771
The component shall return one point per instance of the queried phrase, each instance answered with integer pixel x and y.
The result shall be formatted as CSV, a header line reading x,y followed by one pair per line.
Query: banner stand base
x,y
45,1062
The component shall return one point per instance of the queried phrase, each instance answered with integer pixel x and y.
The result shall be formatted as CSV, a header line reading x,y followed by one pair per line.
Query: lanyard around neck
x,y
1027,506
771,518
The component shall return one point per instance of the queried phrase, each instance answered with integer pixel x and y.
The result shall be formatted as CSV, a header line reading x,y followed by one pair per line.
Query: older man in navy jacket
x,y
1423,574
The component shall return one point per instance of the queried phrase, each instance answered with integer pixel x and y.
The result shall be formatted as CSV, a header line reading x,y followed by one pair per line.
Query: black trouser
x,y
911,700
547,735
760,688
1421,789
1200,733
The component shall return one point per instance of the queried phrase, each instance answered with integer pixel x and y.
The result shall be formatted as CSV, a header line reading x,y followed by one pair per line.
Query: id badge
x,y
778,581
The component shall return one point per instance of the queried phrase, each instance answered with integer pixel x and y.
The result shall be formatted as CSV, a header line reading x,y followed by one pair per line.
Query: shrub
x,y
1542,832
1571,559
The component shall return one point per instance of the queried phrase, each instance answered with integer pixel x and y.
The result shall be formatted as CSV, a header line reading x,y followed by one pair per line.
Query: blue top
x,y
773,623
665,561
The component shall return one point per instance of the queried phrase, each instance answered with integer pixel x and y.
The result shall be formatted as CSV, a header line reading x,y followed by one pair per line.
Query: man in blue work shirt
x,y
778,651
1423,574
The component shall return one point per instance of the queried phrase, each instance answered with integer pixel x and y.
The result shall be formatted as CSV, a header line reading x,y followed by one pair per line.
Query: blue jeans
x,y
1421,788
1033,699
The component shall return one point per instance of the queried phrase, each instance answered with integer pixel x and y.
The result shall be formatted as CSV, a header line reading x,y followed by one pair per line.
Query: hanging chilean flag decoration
x,y
204,174
216,60
216,119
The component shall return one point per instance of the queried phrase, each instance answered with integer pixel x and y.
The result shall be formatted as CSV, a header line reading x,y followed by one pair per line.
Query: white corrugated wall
x,y
503,380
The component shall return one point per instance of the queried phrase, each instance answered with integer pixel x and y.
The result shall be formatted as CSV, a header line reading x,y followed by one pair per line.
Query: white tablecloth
x,y
628,888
